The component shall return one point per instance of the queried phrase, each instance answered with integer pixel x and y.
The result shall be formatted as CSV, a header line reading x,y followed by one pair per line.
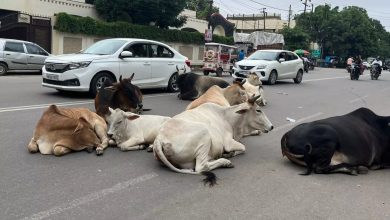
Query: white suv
x,y
271,65
155,65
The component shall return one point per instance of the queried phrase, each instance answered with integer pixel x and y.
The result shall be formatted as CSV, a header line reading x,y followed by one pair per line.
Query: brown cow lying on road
x,y
62,130
232,95
123,95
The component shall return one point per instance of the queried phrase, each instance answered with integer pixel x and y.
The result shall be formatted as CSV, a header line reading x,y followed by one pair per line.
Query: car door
x,y
293,63
15,55
36,56
139,64
282,67
163,63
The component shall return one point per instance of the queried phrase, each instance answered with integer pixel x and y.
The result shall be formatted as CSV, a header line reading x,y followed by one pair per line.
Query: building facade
x,y
248,23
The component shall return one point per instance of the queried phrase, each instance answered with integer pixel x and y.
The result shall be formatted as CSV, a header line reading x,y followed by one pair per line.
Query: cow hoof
x,y
179,96
99,151
143,146
150,148
229,165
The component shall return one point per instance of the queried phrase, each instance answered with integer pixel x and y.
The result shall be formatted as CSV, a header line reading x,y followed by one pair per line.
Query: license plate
x,y
52,76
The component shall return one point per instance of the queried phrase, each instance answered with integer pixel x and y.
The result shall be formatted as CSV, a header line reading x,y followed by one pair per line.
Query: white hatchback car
x,y
271,65
156,65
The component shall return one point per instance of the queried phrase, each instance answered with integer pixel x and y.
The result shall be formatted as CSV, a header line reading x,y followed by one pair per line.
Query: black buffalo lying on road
x,y
191,85
351,143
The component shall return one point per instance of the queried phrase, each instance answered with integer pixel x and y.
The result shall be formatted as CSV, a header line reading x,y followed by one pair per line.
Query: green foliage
x,y
344,33
89,26
201,7
295,38
163,13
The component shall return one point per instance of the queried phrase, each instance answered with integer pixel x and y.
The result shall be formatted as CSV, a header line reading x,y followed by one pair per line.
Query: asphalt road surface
x,y
133,185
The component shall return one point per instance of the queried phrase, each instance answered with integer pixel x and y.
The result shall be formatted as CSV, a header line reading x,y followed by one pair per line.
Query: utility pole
x,y
264,13
289,16
305,4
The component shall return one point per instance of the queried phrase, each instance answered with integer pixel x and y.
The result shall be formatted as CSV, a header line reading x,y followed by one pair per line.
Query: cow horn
x,y
120,78
131,77
253,99
185,70
177,68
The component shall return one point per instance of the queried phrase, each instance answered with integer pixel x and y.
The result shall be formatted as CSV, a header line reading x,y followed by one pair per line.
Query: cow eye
x,y
258,110
118,122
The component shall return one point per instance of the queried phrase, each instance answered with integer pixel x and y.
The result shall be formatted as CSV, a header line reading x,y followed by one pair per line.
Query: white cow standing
x,y
132,131
195,140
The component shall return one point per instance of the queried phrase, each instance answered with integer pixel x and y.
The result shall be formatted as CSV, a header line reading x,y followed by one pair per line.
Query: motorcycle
x,y
349,68
375,70
355,71
306,66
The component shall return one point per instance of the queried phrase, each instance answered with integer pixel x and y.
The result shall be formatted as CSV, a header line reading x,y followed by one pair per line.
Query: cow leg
x,y
33,146
132,144
190,95
101,132
253,133
339,168
221,162
233,148
61,150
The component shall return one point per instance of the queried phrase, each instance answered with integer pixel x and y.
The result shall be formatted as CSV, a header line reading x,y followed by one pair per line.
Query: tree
x,y
202,8
295,38
162,13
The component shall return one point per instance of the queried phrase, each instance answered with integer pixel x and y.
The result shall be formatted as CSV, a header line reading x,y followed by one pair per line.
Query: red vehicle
x,y
218,58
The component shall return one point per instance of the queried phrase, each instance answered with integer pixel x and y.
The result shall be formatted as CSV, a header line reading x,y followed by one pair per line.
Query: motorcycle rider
x,y
359,62
378,62
349,63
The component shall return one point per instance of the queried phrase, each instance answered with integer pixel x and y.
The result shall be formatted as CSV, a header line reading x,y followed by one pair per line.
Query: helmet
x,y
378,57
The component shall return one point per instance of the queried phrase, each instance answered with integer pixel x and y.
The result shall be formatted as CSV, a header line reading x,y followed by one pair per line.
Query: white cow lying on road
x,y
194,141
132,131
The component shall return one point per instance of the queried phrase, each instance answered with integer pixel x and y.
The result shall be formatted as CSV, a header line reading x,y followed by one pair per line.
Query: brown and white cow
x,y
194,141
62,130
254,87
231,95
123,95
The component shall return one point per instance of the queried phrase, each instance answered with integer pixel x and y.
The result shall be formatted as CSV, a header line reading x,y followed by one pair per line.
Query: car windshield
x,y
105,47
263,55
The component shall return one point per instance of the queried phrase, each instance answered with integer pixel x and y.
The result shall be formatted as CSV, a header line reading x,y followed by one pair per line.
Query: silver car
x,y
17,55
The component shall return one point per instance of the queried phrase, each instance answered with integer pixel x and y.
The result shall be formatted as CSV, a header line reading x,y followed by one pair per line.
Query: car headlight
x,y
79,65
261,67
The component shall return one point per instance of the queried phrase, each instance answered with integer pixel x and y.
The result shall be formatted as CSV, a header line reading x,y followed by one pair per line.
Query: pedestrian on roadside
x,y
241,55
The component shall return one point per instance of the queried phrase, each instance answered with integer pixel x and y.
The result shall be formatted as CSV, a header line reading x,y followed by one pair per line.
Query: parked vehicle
x,y
156,65
18,55
218,58
355,72
375,71
270,66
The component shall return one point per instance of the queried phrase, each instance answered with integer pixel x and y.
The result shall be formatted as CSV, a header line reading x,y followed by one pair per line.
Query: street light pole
x,y
264,13
305,4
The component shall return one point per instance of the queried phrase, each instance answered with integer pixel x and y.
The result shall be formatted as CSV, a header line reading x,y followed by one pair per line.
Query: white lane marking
x,y
358,99
90,197
311,80
298,121
29,107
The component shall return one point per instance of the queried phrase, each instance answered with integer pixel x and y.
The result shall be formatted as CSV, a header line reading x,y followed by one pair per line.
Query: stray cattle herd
x,y
207,133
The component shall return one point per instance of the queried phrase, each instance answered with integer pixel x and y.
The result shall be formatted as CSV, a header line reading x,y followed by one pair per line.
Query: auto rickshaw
x,y
218,58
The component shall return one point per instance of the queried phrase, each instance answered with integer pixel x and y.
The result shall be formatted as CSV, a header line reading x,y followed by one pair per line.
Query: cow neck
x,y
236,122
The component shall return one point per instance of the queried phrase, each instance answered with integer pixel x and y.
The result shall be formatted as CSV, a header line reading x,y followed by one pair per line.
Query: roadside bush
x,y
88,26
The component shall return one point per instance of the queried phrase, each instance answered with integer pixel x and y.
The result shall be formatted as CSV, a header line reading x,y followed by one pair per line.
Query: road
x,y
132,185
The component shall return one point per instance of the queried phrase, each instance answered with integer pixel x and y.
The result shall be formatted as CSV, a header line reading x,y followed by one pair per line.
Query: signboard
x,y
316,53
208,35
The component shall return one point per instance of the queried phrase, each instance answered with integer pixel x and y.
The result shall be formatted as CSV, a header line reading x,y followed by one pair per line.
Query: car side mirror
x,y
281,60
126,54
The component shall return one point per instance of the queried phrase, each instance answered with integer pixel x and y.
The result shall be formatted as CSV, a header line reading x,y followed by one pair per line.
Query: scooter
x,y
375,70
355,72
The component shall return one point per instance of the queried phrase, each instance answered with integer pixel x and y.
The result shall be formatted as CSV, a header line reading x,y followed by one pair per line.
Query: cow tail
x,y
157,147
210,179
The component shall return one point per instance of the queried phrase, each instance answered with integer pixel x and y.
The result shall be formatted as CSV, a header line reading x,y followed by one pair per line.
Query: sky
x,y
377,9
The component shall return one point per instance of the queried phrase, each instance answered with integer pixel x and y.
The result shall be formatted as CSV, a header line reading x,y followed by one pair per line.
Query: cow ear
x,y
111,110
132,117
80,126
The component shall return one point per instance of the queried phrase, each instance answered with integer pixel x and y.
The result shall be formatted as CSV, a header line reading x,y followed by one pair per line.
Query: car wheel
x,y
205,72
272,77
3,69
172,83
219,72
98,81
298,78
